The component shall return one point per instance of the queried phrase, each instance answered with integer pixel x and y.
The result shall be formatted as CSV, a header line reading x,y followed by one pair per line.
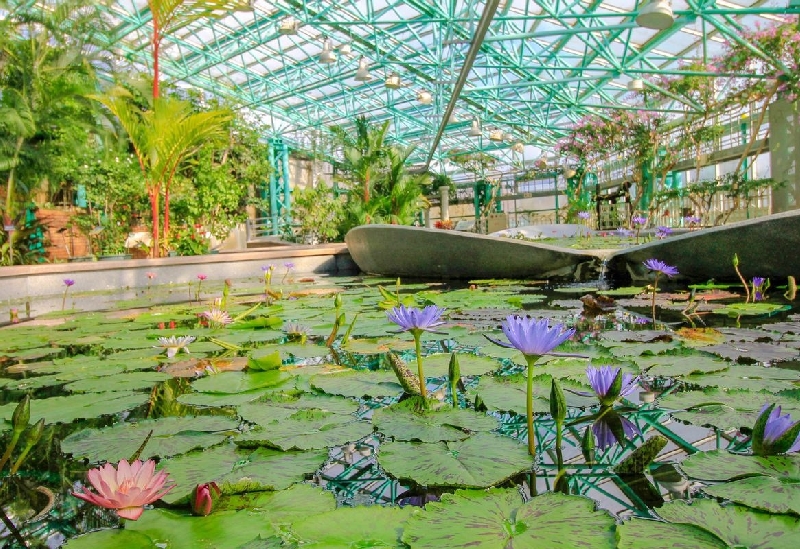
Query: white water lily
x,y
174,344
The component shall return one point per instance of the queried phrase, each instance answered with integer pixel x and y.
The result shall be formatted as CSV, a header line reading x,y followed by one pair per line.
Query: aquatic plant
x,y
217,318
68,283
288,266
610,384
659,267
202,498
200,278
663,232
739,274
775,434
295,332
638,223
611,428
267,270
533,338
174,344
416,321
126,488
760,286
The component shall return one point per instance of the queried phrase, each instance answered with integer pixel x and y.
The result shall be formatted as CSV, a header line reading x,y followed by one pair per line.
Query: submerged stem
x,y
655,289
423,390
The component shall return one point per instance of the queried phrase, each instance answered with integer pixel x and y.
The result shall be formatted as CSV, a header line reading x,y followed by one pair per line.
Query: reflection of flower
x,y
623,232
692,220
775,434
759,288
603,382
217,317
611,428
127,489
174,344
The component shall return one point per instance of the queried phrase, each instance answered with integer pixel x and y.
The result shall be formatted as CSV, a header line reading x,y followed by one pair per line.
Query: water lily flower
x,y
68,283
174,344
775,434
217,317
610,384
659,267
416,321
127,488
295,330
663,232
584,215
760,285
638,220
202,498
289,266
612,428
533,338
201,277
623,232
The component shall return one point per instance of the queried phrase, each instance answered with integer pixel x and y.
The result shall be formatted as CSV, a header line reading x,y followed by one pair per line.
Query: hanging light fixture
x,y
327,55
346,49
657,14
289,26
635,85
496,135
453,118
424,97
362,74
393,81
518,147
475,129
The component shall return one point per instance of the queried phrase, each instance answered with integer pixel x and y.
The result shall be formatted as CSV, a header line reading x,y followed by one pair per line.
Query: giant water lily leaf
x,y
238,471
497,519
402,422
113,538
737,526
753,351
677,366
306,430
291,351
437,365
358,384
509,394
240,337
346,528
480,461
171,436
213,400
277,406
723,409
133,381
65,409
651,534
38,353
755,378
751,309
766,493
239,382
721,465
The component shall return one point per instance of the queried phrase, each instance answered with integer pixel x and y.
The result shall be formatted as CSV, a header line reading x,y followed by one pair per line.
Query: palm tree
x,y
365,155
163,138
400,191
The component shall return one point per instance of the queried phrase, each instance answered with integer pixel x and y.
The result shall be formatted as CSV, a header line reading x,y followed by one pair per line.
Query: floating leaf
x,y
480,461
497,519
275,407
753,351
133,381
65,409
720,465
651,534
239,382
509,394
403,423
436,365
305,430
171,436
766,493
358,384
346,528
111,539
735,525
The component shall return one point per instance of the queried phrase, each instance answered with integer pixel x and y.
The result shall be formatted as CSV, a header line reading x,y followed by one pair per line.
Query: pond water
x,y
318,444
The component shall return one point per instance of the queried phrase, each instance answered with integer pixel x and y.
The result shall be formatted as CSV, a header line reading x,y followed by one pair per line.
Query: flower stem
x,y
655,289
423,390
531,431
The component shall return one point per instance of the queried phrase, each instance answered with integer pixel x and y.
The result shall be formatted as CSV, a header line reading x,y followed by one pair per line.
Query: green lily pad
x,y
765,493
753,378
377,346
346,528
438,365
498,519
651,534
754,352
133,381
737,526
111,539
239,382
65,409
480,461
622,349
306,430
510,394
678,366
276,407
215,400
290,351
237,470
358,384
750,309
624,291
401,422
171,436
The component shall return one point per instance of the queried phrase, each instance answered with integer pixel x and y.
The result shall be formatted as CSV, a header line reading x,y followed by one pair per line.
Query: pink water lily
x,y
126,489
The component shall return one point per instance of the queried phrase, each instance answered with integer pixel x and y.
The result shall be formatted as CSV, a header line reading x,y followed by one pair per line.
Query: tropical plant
x,y
318,212
364,155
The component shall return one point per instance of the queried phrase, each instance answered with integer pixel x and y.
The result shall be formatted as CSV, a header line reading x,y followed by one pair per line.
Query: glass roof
x,y
541,65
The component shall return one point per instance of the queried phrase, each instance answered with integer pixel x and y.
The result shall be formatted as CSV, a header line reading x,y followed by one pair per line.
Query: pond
x,y
294,411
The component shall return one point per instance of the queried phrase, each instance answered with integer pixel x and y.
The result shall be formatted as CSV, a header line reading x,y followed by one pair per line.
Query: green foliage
x,y
318,212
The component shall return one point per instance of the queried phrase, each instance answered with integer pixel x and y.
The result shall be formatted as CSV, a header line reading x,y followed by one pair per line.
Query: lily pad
x,y
171,436
753,352
239,382
276,407
213,400
346,528
498,519
765,493
65,409
678,366
403,423
737,526
133,381
437,365
358,384
480,461
306,430
111,539
651,534
509,394
754,378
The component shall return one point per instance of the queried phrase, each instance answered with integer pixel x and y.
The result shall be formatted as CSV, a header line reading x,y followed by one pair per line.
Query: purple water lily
x,y
623,232
759,288
638,220
658,266
533,338
663,232
602,381
612,428
68,282
584,215
780,435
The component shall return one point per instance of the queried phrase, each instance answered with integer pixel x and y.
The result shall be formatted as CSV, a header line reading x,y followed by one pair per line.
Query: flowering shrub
x,y
446,224
192,240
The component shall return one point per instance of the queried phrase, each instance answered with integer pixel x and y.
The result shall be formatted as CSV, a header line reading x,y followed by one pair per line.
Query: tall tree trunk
x,y
154,192
10,183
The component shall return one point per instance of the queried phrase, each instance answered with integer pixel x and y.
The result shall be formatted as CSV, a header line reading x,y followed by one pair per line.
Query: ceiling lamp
x,y
657,14
635,85
346,49
425,97
518,147
362,74
327,56
475,129
393,81
289,26
496,135
453,118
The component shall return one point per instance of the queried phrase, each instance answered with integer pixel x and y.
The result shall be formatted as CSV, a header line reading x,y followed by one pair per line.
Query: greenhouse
x,y
399,273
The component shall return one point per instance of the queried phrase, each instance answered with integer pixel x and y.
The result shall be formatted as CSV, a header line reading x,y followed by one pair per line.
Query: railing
x,y
262,227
